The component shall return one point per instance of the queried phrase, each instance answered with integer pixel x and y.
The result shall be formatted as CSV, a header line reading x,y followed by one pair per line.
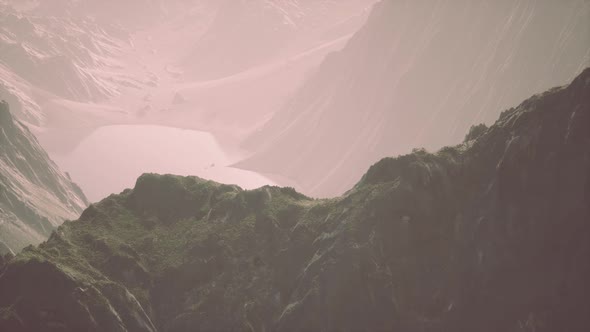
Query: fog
x,y
304,93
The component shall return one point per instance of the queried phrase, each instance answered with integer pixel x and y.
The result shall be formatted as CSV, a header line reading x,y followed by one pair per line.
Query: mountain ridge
x,y
491,234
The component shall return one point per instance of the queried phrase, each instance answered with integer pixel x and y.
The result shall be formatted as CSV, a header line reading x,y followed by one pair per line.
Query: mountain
x,y
161,62
35,196
69,68
489,235
112,54
418,74
46,58
246,34
131,13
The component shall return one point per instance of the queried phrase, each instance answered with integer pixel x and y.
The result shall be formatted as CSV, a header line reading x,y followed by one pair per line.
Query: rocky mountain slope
x,y
246,34
45,58
489,235
35,196
419,74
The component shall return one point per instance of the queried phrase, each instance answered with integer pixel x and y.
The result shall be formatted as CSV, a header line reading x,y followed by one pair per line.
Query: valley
x,y
110,70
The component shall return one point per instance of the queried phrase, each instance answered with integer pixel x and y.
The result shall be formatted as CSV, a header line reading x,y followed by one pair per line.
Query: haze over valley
x,y
217,67
295,165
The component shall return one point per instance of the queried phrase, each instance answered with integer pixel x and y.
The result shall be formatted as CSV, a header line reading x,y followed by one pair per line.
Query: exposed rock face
x,y
35,196
489,235
418,75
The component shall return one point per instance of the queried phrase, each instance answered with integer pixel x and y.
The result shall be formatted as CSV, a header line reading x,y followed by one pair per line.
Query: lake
x,y
113,157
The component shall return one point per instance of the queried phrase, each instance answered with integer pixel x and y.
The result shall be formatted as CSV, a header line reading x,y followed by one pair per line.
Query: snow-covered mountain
x,y
70,67
244,34
35,196
137,56
48,57
135,59
131,13
419,73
